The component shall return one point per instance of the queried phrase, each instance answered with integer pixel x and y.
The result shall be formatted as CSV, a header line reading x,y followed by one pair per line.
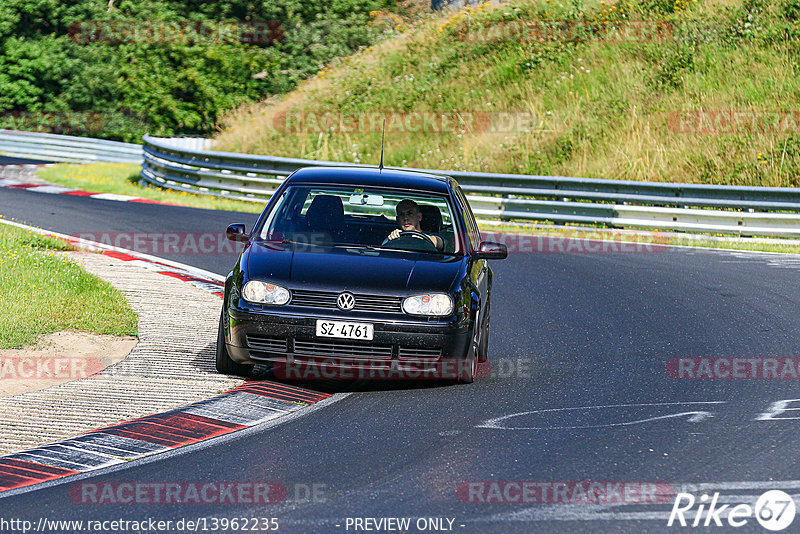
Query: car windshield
x,y
362,217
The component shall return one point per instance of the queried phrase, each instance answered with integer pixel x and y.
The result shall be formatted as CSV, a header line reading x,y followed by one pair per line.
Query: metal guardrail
x,y
186,164
67,148
745,211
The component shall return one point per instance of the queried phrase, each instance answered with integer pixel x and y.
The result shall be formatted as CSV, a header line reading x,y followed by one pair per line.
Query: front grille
x,y
314,299
336,349
327,300
378,303
266,344
413,353
325,349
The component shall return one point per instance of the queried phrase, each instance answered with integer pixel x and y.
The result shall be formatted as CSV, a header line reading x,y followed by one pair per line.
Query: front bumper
x,y
402,346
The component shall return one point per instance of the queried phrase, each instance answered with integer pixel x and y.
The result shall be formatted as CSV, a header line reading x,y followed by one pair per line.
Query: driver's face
x,y
408,217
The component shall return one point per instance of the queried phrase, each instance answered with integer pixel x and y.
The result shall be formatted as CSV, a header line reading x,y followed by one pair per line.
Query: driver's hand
x,y
437,241
394,235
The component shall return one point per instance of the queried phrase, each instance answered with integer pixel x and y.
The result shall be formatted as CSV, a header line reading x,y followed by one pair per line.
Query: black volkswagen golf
x,y
360,273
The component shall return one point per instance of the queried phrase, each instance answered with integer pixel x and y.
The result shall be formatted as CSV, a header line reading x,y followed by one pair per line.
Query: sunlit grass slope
x,y
638,108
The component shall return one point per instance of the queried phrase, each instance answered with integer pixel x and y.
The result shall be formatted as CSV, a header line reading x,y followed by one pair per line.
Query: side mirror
x,y
492,251
235,232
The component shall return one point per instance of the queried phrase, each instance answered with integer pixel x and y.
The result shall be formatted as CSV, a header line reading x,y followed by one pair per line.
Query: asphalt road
x,y
192,236
8,160
578,391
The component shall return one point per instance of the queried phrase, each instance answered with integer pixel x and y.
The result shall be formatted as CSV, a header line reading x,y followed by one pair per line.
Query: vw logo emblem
x,y
346,301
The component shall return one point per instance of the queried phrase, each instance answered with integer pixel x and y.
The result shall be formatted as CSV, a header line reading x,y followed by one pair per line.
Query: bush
x,y
177,88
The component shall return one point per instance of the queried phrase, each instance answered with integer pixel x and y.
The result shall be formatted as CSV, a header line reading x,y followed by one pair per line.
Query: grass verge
x,y
122,179
42,292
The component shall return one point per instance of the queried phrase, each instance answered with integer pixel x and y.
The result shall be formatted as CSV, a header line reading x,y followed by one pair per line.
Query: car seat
x,y
325,217
432,223
431,219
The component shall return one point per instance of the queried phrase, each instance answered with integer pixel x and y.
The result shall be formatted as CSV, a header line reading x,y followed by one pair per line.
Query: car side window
x,y
469,220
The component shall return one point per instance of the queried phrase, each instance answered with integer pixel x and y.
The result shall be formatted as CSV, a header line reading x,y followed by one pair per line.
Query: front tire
x,y
483,342
469,365
224,363
469,368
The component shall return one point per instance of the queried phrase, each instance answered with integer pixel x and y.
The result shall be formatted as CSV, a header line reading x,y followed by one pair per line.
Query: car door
x,y
479,271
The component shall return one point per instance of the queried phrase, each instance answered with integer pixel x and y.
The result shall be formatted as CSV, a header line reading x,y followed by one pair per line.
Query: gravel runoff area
x,y
171,365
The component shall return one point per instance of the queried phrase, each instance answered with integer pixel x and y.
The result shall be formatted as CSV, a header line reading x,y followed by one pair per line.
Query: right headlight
x,y
265,293
429,304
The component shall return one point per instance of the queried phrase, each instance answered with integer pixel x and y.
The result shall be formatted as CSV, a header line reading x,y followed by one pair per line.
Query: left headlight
x,y
265,293
429,304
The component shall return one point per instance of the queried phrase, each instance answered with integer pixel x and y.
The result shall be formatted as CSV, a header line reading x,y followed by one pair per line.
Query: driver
x,y
409,217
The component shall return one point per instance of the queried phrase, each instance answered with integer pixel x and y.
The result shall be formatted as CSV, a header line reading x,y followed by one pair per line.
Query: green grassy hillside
x,y
685,90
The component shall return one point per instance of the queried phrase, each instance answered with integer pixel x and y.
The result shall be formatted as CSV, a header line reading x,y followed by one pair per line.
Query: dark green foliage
x,y
790,10
166,88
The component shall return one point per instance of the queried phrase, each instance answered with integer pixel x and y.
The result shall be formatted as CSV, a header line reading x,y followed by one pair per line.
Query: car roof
x,y
371,176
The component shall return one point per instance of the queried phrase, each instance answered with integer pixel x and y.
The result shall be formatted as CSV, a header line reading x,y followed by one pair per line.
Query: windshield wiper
x,y
281,242
372,247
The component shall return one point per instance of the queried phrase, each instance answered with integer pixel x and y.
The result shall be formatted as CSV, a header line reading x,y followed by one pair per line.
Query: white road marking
x,y
693,416
113,196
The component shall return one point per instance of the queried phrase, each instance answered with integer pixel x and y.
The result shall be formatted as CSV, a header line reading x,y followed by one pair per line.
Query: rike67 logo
x,y
774,510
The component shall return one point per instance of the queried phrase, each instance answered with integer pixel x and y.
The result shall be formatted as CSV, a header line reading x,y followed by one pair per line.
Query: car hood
x,y
352,269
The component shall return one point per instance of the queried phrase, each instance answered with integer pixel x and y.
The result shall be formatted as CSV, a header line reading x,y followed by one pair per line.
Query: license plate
x,y
344,330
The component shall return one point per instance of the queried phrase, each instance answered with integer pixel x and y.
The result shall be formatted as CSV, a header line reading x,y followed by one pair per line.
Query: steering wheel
x,y
411,240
